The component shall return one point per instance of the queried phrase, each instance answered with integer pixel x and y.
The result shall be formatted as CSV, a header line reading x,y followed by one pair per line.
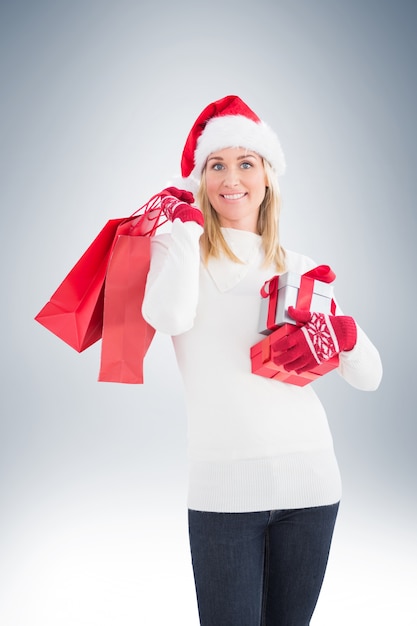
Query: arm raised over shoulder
x,y
171,294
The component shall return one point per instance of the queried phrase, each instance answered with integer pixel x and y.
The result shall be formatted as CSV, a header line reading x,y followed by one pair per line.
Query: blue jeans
x,y
260,569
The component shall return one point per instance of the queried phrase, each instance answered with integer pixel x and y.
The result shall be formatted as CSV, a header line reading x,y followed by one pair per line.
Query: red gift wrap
x,y
263,365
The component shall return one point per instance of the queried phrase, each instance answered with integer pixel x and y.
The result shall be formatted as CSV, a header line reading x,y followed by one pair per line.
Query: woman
x,y
264,485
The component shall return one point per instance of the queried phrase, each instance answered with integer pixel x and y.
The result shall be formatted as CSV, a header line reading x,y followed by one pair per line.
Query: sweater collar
x,y
247,247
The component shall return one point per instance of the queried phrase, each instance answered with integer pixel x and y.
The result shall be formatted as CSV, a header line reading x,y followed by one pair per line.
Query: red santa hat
x,y
229,123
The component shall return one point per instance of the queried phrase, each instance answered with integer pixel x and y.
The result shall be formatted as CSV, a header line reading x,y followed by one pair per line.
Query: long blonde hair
x,y
212,241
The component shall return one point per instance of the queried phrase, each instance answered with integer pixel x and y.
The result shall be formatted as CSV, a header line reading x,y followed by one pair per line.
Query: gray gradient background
x,y
97,98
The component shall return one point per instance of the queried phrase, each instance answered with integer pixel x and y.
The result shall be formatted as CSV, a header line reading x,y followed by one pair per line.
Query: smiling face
x,y
236,185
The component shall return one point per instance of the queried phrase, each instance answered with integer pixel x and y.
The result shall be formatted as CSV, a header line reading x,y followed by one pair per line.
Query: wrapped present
x,y
263,365
311,291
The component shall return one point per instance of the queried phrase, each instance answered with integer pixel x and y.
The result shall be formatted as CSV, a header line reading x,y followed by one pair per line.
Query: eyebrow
x,y
239,158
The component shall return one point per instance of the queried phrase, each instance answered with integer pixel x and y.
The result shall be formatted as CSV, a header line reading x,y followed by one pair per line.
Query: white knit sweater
x,y
254,443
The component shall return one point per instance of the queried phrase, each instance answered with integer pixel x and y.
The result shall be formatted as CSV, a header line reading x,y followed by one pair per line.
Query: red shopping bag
x,y
75,310
126,335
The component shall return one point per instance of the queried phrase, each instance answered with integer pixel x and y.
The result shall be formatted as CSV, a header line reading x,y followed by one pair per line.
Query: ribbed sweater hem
x,y
287,481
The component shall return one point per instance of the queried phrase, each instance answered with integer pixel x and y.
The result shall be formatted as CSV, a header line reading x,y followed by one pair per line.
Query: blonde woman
x,y
264,484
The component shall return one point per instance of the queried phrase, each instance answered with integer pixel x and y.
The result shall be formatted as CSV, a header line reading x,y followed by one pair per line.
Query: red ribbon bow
x,y
324,273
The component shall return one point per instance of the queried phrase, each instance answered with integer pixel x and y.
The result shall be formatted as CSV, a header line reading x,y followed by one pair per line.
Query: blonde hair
x,y
212,241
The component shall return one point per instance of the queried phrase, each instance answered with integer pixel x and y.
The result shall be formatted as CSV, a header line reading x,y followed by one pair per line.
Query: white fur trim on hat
x,y
238,131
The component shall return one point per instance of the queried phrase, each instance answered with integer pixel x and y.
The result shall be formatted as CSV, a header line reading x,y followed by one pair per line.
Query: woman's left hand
x,y
318,340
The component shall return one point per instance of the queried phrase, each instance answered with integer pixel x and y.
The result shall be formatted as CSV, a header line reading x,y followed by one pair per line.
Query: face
x,y
236,186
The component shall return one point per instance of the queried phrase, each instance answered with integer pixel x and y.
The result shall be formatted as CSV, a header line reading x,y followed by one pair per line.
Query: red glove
x,y
321,337
179,194
176,204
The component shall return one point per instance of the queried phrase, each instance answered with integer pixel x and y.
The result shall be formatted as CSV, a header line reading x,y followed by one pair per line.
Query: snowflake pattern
x,y
321,337
169,204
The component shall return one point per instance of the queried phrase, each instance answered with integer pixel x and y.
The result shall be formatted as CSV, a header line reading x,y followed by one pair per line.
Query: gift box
x,y
263,365
311,291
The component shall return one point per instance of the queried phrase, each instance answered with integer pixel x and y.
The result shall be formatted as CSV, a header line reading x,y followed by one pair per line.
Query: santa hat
x,y
229,123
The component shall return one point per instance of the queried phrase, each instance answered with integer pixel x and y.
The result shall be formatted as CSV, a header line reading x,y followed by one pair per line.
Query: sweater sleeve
x,y
172,286
361,367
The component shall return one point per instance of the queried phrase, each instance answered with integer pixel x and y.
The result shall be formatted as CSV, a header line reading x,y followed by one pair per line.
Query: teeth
x,y
233,196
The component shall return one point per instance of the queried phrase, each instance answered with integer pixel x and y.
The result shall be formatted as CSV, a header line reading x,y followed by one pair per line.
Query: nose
x,y
231,178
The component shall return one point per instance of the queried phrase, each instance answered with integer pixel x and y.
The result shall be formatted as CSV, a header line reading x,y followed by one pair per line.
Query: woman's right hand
x,y
176,204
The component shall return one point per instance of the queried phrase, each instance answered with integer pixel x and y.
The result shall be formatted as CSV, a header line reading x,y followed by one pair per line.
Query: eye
x,y
217,167
245,165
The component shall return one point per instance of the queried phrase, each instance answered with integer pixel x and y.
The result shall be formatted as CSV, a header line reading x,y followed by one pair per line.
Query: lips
x,y
233,196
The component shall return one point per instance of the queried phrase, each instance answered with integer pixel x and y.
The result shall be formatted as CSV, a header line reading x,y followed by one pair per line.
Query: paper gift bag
x,y
126,335
75,310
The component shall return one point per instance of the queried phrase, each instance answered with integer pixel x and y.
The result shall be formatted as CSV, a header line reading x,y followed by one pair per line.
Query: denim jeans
x,y
260,569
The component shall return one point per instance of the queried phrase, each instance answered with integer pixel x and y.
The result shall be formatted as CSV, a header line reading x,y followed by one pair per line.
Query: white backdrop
x,y
97,99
